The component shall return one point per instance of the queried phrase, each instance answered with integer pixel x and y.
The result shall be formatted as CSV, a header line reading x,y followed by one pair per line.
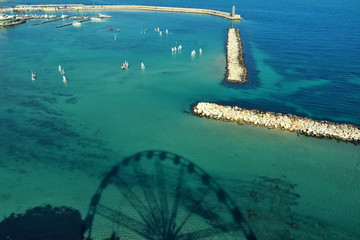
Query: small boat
x,y
60,69
160,33
200,51
172,49
104,16
64,79
193,53
142,65
118,30
64,16
95,19
166,31
180,47
115,37
111,29
76,24
33,76
158,29
125,65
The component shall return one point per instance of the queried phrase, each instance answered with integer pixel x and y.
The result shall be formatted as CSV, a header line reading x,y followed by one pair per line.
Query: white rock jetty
x,y
288,122
235,66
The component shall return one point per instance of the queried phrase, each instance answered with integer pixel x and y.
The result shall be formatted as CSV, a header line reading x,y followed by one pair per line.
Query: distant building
x,y
49,7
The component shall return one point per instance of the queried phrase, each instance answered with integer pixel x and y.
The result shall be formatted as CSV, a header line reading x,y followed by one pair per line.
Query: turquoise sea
x,y
122,148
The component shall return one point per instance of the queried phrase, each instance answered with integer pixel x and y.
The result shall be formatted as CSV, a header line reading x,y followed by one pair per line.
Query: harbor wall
x,y
235,65
81,7
287,122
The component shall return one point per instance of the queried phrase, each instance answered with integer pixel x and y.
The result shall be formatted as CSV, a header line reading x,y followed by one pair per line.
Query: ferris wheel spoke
x,y
148,193
164,207
175,206
135,202
191,212
123,220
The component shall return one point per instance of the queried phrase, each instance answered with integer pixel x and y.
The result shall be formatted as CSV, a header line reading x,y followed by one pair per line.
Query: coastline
x,y
285,122
235,65
81,7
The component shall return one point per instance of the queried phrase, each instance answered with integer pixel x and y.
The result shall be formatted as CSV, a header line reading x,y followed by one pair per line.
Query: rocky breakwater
x,y
288,122
235,66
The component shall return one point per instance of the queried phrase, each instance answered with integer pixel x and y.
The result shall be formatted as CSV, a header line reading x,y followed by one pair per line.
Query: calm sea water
x,y
58,141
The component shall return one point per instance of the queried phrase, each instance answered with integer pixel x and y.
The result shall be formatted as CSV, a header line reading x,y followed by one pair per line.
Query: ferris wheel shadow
x,y
163,196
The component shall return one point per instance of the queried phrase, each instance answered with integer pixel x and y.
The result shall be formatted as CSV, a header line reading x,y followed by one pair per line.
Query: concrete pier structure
x,y
288,122
81,7
235,65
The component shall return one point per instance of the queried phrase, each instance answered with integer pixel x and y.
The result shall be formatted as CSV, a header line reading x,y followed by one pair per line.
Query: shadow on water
x,y
161,195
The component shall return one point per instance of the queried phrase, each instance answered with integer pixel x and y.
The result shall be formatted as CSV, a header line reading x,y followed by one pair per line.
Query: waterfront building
x,y
49,7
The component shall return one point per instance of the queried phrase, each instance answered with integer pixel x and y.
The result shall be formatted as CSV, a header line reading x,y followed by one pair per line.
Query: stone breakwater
x,y
81,7
235,65
288,122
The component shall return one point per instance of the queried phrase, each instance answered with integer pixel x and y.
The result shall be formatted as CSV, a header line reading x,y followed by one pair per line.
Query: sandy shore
x,y
235,65
288,122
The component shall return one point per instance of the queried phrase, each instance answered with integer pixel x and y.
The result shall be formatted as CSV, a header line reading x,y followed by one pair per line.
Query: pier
x,y
235,65
71,23
287,122
48,21
81,7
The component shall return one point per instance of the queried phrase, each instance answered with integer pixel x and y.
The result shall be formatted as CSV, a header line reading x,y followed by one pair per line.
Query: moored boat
x,y
95,19
76,24
104,16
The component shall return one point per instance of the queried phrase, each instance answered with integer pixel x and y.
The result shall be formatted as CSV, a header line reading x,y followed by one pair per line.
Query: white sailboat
x,y
64,79
166,31
142,65
193,53
200,51
33,76
125,65
180,47
60,68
